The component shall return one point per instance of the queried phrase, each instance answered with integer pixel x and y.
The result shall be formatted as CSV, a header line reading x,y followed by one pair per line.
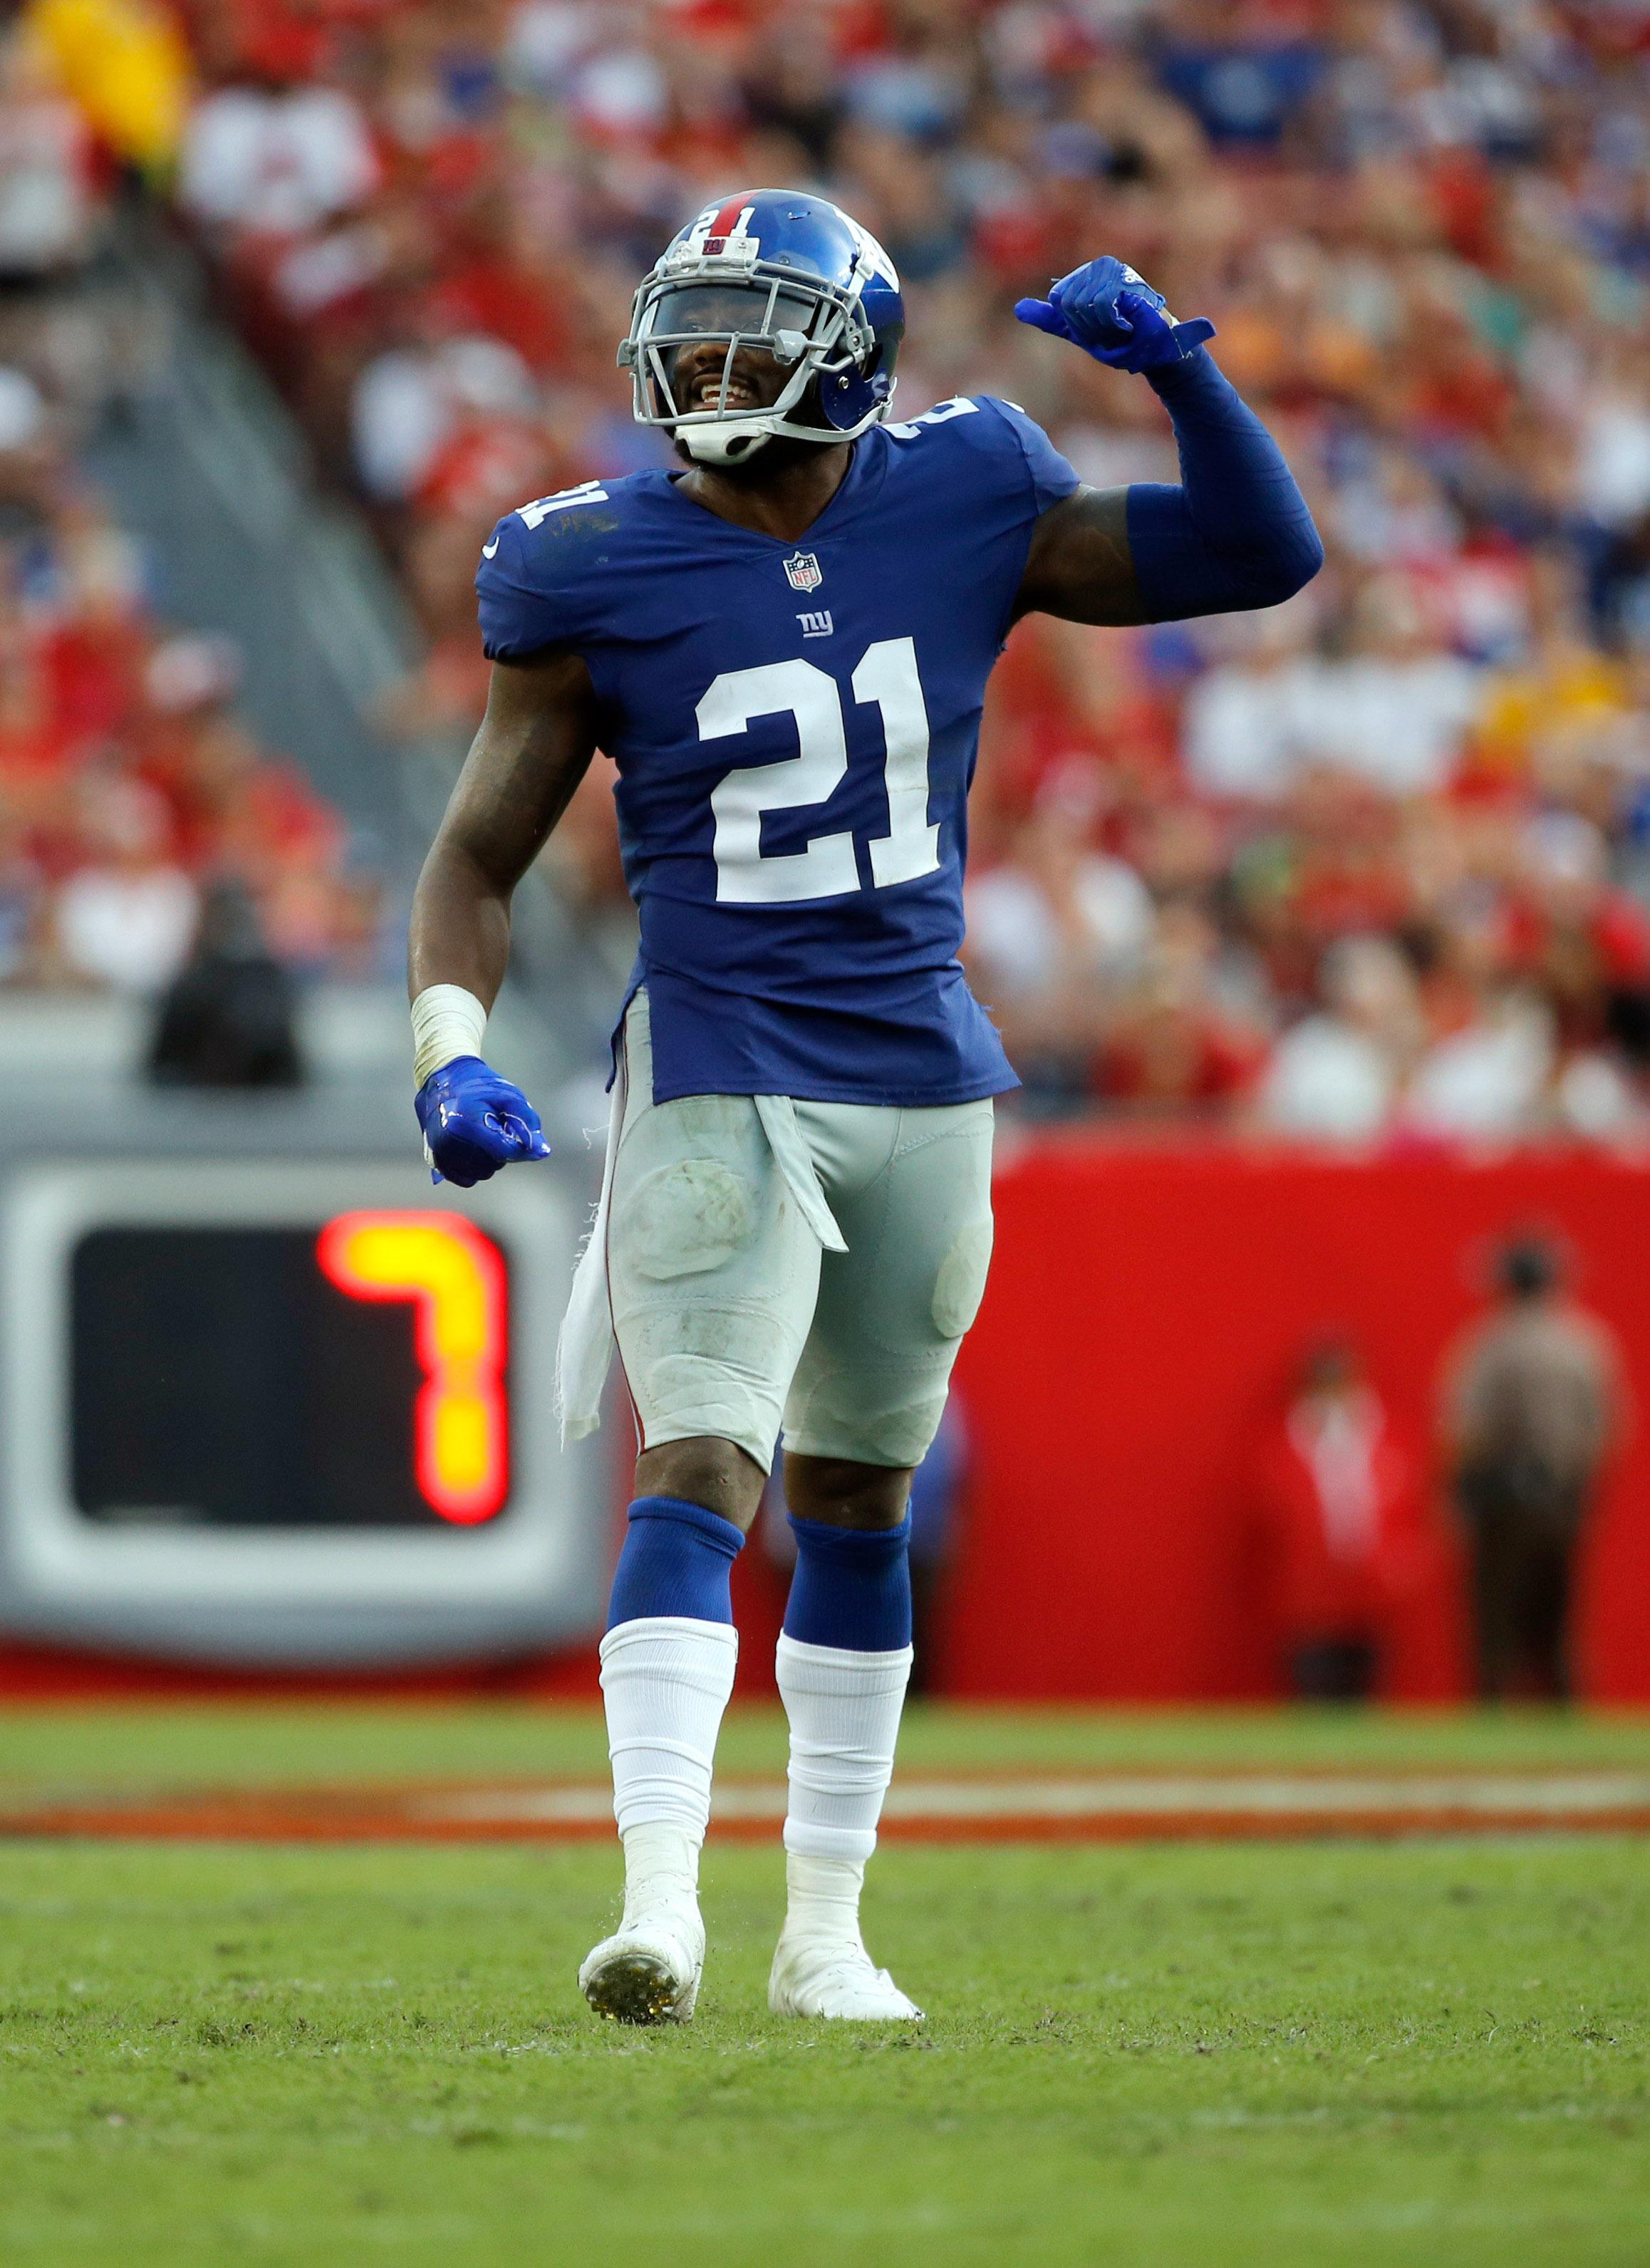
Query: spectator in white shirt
x,y
1336,1076
1056,906
1052,933
127,918
1242,729
1489,1081
276,160
1395,710
47,202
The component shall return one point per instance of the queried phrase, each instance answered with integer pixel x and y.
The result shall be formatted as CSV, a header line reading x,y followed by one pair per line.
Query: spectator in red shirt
x,y
1336,1513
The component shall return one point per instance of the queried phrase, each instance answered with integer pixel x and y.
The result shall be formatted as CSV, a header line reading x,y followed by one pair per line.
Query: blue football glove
x,y
474,1123
1116,316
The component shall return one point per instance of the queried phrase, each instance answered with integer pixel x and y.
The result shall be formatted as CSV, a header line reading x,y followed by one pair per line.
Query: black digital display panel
x,y
225,1376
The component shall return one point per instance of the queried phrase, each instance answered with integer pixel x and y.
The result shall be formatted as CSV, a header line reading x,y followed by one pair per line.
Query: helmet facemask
x,y
802,323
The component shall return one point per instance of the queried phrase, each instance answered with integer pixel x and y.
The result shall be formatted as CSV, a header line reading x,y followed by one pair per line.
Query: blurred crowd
x,y
129,785
1373,866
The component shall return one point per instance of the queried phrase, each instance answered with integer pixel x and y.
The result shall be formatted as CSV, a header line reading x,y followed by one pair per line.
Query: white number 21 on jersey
x,y
886,679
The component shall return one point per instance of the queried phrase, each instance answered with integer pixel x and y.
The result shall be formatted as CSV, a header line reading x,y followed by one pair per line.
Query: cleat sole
x,y
634,1987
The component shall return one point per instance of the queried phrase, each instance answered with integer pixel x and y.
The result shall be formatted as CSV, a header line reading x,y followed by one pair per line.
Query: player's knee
x,y
687,1218
960,1284
707,1470
840,1493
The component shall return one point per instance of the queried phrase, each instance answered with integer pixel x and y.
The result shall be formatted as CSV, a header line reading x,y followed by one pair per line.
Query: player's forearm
x,y
1237,533
461,925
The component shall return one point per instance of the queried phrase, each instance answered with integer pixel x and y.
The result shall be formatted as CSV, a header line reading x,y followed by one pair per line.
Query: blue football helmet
x,y
789,274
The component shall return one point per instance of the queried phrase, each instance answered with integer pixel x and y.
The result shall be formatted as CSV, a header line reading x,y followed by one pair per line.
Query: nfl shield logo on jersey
x,y
802,571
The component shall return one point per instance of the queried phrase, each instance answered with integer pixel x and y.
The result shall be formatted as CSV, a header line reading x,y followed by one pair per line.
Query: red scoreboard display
x,y
286,1410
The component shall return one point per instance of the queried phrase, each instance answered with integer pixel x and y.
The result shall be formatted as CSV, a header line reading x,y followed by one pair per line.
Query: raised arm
x,y
534,748
1235,534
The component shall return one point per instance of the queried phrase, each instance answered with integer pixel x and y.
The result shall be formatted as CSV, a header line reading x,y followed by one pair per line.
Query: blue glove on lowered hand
x,y
474,1123
1116,316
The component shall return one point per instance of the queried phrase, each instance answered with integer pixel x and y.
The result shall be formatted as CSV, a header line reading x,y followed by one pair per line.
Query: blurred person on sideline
x,y
48,187
1533,1403
275,154
1334,1504
228,1017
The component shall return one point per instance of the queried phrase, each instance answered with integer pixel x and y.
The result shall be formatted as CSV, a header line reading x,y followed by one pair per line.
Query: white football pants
x,y
810,1263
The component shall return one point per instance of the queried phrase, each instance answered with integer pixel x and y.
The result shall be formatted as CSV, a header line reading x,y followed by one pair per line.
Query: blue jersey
x,y
795,727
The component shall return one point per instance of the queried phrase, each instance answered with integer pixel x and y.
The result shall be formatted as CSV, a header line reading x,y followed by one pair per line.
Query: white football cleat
x,y
648,1971
811,1977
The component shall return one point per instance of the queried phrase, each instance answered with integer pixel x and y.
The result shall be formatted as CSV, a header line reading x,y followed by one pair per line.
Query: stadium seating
x,y
1372,867
128,779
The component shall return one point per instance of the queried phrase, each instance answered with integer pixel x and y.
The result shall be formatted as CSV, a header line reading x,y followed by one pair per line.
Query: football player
x,y
783,646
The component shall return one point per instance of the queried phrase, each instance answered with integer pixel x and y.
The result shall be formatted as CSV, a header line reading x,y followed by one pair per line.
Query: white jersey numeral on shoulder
x,y
826,868
941,414
887,679
586,492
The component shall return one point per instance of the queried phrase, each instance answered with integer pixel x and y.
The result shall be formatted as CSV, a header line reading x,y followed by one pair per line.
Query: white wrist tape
x,y
446,1021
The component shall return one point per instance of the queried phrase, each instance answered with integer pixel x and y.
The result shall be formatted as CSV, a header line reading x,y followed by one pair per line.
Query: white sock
x,y
662,1871
666,1679
845,1712
821,1898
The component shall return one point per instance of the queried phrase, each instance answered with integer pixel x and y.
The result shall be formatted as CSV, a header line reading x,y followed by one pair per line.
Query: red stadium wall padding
x,y
1147,1310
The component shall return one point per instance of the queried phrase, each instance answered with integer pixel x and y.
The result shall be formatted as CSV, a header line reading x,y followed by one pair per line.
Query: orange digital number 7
x,y
455,1276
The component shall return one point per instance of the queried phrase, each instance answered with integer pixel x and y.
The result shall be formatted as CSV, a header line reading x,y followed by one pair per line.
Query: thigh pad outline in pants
x,y
712,1270
893,1309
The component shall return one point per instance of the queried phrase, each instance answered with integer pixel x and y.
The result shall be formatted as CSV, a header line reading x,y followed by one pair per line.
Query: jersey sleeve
x,y
530,590
1049,475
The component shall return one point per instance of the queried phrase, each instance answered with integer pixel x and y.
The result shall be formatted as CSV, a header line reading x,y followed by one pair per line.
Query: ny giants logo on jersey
x,y
802,571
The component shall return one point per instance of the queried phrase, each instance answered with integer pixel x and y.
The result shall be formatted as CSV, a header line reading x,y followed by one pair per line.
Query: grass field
x,y
1148,2055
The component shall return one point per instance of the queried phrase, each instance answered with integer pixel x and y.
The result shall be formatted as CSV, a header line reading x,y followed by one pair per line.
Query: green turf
x,y
88,1748
1149,2055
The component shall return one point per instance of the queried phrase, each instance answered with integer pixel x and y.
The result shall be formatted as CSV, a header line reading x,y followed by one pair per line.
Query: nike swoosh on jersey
x,y
488,550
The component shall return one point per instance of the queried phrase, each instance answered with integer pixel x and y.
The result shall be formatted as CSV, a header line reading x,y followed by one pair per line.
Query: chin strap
x,y
728,444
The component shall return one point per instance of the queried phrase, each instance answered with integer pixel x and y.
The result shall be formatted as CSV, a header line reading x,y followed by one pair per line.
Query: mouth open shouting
x,y
709,385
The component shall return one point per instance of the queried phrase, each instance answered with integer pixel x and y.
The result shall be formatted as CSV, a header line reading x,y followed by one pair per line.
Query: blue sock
x,y
852,1587
676,1560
